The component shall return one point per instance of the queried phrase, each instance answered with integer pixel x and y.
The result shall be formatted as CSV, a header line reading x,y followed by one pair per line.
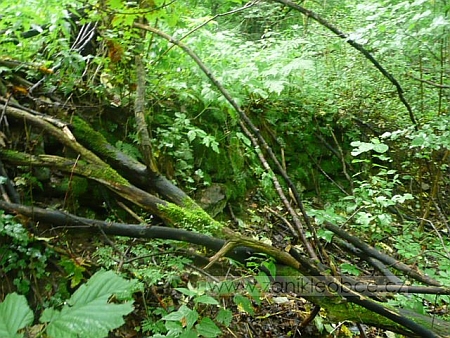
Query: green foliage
x,y
74,271
178,139
417,32
15,314
363,147
21,254
187,320
169,267
88,312
349,269
26,182
372,196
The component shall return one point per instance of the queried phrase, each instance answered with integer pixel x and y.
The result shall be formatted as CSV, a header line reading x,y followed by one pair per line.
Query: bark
x,y
52,127
139,113
372,252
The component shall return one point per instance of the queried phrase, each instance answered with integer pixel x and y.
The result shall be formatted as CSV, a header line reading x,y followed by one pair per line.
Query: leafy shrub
x,y
21,254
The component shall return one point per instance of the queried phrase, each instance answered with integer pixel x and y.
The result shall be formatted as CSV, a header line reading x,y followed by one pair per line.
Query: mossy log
x,y
340,308
193,218
133,170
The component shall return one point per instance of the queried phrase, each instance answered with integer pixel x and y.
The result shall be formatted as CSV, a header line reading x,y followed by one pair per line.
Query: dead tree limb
x,y
131,169
142,127
372,252
170,213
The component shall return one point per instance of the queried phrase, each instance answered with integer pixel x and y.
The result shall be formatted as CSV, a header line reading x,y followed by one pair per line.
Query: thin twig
x,y
358,47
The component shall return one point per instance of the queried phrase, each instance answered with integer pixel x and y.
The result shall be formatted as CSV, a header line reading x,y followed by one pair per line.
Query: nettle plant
x,y
207,307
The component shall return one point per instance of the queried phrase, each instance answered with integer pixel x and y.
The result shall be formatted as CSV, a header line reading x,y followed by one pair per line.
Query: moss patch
x,y
191,217
96,141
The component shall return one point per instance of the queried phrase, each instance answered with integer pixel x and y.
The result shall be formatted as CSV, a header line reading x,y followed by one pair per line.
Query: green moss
x,y
94,171
96,141
12,155
77,185
338,308
191,217
106,173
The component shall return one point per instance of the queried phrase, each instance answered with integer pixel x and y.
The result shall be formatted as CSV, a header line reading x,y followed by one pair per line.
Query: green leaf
x,y
350,269
189,334
187,292
326,235
88,313
297,64
263,281
419,141
270,265
183,315
275,86
380,148
15,314
191,135
205,299
402,198
244,304
224,316
254,292
207,328
362,147
244,139
115,4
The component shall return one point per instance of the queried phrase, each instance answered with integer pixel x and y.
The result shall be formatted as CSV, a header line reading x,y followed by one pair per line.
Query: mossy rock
x,y
213,199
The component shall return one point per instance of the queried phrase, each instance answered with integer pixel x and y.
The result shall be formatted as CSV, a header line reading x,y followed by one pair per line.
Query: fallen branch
x,y
372,252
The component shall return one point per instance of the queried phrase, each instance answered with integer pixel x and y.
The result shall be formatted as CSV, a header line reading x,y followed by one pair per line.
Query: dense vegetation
x,y
290,143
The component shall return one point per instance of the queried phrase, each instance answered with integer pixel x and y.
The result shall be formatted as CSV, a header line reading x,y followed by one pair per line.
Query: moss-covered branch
x,y
136,172
171,214
335,295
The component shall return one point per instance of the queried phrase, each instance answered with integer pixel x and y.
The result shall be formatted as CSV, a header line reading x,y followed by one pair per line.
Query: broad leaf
x,y
362,147
380,148
15,314
205,299
88,313
207,328
184,315
224,316
244,304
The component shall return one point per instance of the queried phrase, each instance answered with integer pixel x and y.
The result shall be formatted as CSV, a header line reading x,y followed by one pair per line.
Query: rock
x,y
213,199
